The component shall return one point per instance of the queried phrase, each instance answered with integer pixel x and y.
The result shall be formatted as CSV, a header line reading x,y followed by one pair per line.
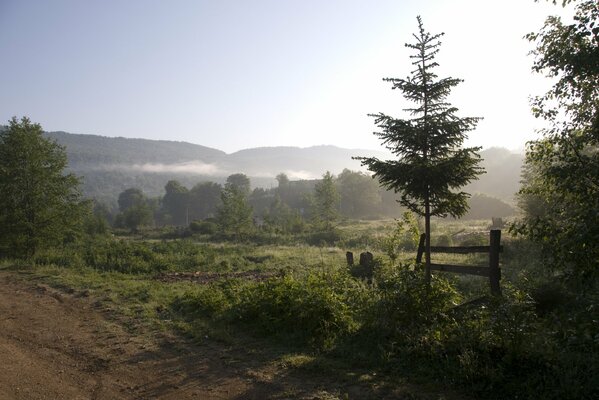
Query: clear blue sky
x,y
239,74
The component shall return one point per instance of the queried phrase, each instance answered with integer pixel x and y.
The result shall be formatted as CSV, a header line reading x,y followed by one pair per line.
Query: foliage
x,y
176,202
135,209
560,193
129,198
538,343
431,164
406,306
235,214
239,182
136,216
204,227
404,237
314,310
326,203
282,219
40,204
359,194
204,200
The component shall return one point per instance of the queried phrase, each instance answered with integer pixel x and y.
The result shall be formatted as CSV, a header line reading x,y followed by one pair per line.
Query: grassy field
x,y
303,298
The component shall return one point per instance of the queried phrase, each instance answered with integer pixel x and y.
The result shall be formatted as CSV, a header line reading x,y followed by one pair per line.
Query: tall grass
x,y
540,340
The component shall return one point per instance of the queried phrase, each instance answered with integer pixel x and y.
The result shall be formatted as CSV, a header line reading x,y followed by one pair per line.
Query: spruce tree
x,y
431,164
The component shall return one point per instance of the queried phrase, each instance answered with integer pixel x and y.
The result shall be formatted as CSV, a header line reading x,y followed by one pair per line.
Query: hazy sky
x,y
239,74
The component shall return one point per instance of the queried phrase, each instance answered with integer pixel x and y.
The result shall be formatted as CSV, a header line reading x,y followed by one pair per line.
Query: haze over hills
x,y
110,165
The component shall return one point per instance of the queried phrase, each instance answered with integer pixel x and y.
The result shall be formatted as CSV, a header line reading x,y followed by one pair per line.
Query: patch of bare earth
x,y
208,277
57,345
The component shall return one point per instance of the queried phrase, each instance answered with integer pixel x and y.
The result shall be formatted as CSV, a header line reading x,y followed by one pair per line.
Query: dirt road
x,y
57,345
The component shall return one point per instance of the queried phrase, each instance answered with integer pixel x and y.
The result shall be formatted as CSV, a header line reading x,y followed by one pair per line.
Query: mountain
x,y
502,174
111,165
92,152
298,163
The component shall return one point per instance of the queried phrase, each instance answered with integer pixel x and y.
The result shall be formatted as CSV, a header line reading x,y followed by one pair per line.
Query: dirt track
x,y
55,345
59,346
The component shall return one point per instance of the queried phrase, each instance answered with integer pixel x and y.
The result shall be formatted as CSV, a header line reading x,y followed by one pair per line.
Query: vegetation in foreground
x,y
539,340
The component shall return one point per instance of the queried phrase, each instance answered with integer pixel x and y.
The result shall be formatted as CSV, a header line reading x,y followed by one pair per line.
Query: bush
x,y
321,238
315,311
405,236
203,227
62,257
406,307
123,256
444,240
211,301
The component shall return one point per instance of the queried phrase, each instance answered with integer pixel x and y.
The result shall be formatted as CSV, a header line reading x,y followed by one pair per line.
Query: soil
x,y
57,344
208,277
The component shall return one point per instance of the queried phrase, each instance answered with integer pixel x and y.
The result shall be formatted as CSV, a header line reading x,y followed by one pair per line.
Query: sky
x,y
240,74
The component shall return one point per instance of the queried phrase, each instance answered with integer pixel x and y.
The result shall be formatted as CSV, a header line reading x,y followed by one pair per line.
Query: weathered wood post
x,y
494,271
366,259
420,248
349,256
367,264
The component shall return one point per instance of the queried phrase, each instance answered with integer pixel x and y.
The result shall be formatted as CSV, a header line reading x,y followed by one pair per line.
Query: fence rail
x,y
492,270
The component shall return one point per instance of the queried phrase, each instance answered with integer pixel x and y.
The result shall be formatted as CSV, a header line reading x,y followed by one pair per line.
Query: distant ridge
x,y
112,164
86,150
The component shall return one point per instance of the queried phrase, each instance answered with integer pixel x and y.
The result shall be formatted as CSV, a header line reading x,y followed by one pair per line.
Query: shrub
x,y
210,301
406,306
203,227
444,240
62,257
122,256
320,238
315,310
405,236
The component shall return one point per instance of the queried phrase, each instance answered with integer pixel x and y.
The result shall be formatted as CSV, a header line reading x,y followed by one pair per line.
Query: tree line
x,y
291,206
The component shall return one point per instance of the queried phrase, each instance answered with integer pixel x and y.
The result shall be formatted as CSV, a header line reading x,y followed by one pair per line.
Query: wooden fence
x,y
492,270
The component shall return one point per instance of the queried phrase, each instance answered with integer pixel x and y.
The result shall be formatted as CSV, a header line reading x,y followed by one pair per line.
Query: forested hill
x,y
92,151
111,165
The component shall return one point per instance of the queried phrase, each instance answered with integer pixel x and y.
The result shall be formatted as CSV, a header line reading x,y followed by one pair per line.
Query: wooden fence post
x,y
366,259
349,256
494,271
420,248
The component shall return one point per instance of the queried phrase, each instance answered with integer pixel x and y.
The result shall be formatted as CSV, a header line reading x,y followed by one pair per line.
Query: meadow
x,y
326,317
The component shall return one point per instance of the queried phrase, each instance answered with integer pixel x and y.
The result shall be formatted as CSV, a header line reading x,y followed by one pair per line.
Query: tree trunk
x,y
427,247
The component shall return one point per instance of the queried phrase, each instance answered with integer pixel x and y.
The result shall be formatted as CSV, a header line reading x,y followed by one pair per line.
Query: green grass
x,y
322,319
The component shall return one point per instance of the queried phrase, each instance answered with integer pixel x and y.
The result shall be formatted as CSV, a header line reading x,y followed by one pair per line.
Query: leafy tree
x,y
135,210
560,192
129,198
176,202
204,199
98,221
359,194
40,204
282,180
431,164
260,200
240,182
103,211
282,218
235,214
137,215
326,203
